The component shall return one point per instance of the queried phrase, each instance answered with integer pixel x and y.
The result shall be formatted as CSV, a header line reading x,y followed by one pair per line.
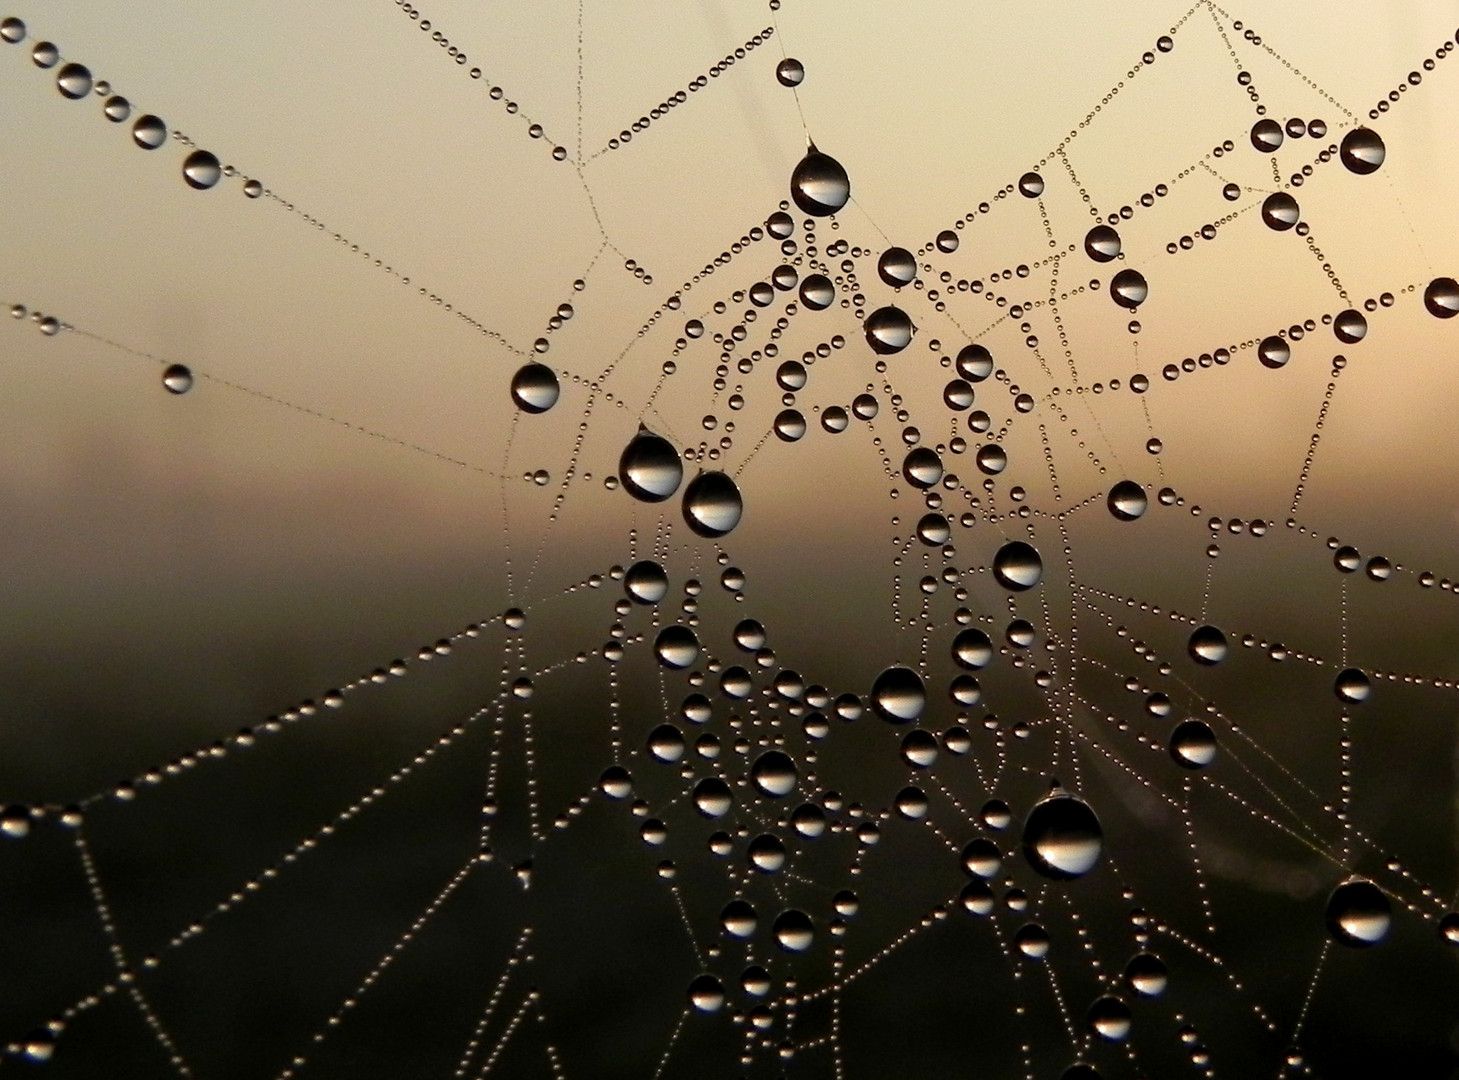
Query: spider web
x,y
364,722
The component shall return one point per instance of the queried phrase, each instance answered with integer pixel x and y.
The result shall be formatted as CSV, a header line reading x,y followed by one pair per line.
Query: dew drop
x,y
1350,327
888,330
767,853
201,170
817,292
974,363
1017,566
790,425
1207,645
12,30
712,504
1109,1018
1030,185
819,184
74,81
911,803
45,54
897,267
919,749
645,582
898,695
981,858
1193,744
676,647
650,467
252,189
865,407
117,108
712,797
1441,297
1362,151
1146,975
1280,211
774,774
706,994
1127,501
794,930
739,920
1032,940
1102,243
1231,192
177,378
1266,135
1062,838
15,822
535,388
1273,352
616,783
1358,914
1352,685
922,467
1129,289
749,635
666,743
790,72
149,132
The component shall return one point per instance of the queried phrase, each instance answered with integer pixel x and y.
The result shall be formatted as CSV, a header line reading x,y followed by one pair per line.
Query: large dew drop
x,y
1017,566
149,132
1102,243
1147,975
1207,645
817,292
1280,211
922,467
794,930
74,81
706,994
819,184
972,649
1266,136
676,647
1129,289
1362,151
201,170
1350,327
790,72
1062,838
1273,352
897,267
898,695
1441,297
712,504
535,388
1193,745
177,379
645,582
1127,501
1358,914
773,774
1352,686
974,363
888,330
1109,1018
650,467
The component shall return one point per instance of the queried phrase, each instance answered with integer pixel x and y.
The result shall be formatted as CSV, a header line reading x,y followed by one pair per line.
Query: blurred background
x,y
411,205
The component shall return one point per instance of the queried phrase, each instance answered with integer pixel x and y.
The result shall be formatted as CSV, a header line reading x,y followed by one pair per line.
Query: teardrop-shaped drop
x,y
650,467
1358,914
888,330
1062,838
712,504
819,185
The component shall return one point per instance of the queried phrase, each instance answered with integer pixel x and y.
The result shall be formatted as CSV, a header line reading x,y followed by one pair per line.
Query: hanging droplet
x,y
676,647
1129,289
45,54
738,919
1280,211
749,635
74,81
794,930
645,582
1102,243
1109,1018
1362,151
864,407
650,467
1030,185
149,132
252,188
1127,501
666,743
767,854
535,388
888,330
1207,645
981,858
1017,566
712,797
12,30
706,994
1266,136
774,774
1147,975
817,292
991,459
15,822
117,108
712,504
1352,686
1273,352
897,267
1350,327
974,363
1441,297
1032,940
1231,192
972,649
1062,838
790,425
911,803
616,782
898,695
919,749
177,378
819,184
1358,914
922,467
201,170
790,72
1193,745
